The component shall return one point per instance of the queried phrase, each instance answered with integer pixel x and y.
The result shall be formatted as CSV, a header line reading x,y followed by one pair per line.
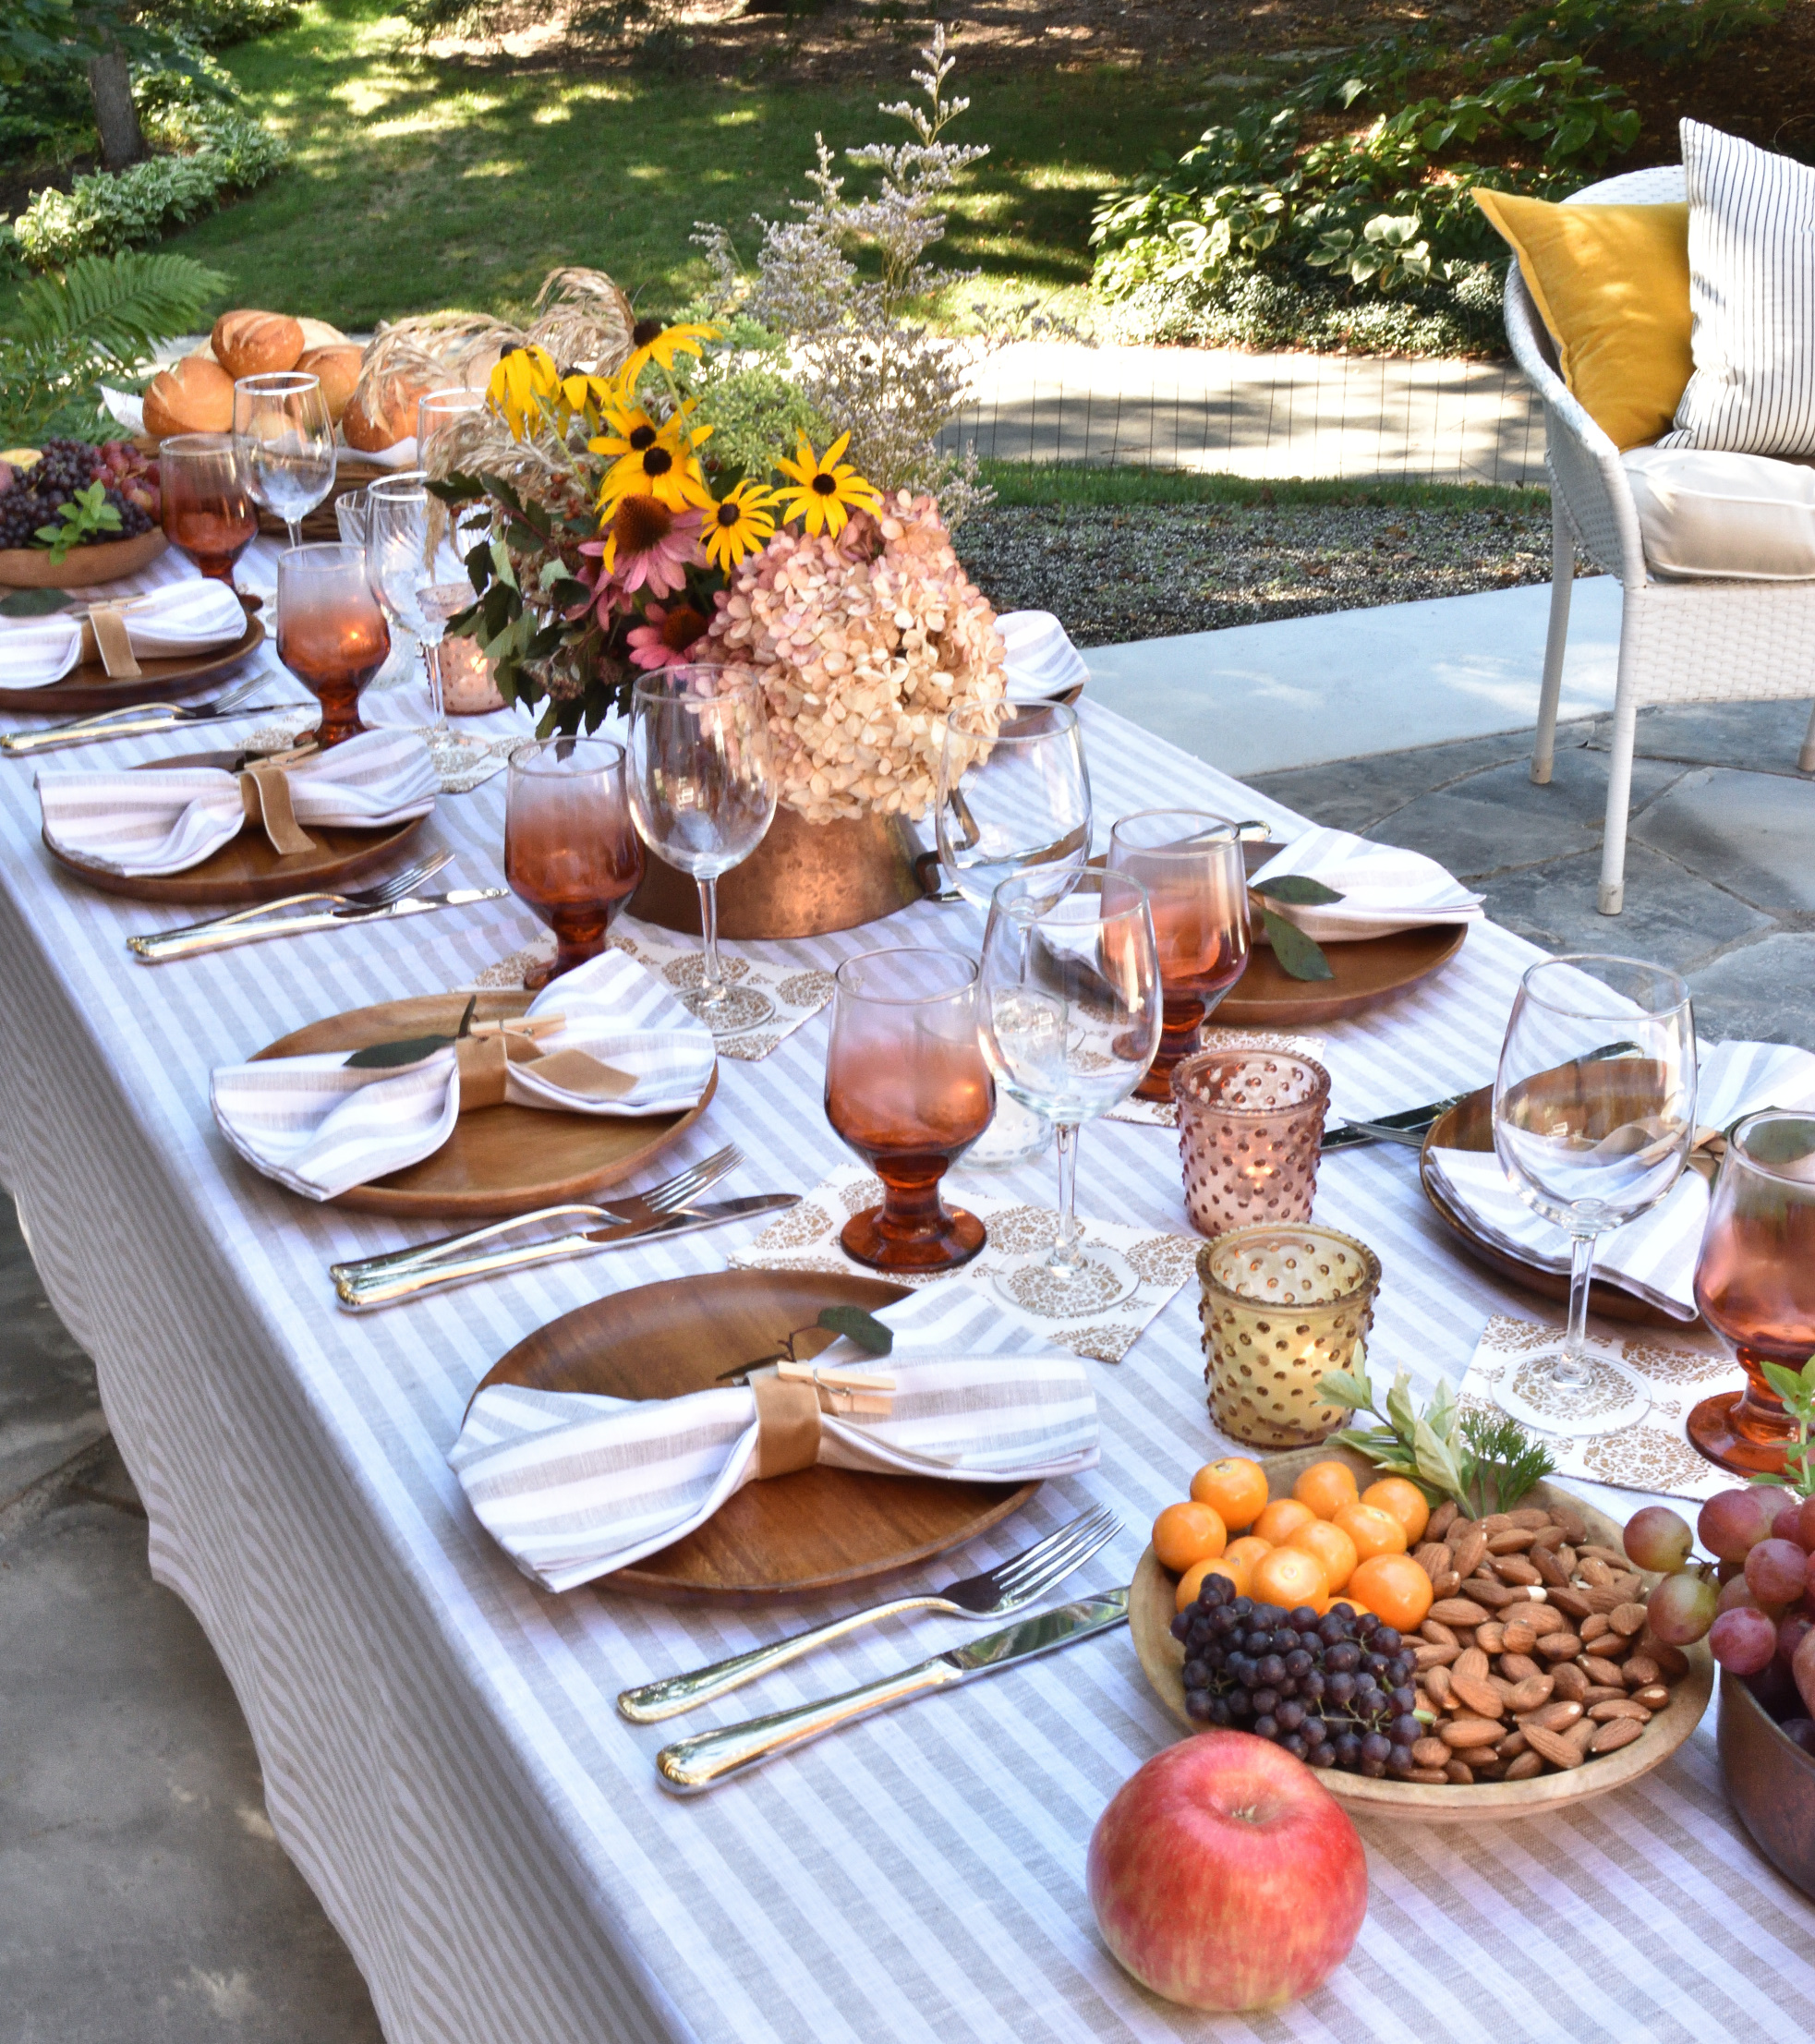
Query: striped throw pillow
x,y
1752,290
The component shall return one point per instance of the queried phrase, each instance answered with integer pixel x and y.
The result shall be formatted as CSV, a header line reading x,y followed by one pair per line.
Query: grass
x,y
1100,489
416,185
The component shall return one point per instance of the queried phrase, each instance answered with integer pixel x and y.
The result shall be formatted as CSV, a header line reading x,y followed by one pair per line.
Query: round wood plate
x,y
793,1536
1470,1126
246,870
83,567
1151,1612
1366,973
502,1160
90,687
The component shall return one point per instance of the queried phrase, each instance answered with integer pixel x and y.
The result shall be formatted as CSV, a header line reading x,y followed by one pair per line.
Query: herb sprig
x,y
1486,1462
1796,1389
1298,956
86,516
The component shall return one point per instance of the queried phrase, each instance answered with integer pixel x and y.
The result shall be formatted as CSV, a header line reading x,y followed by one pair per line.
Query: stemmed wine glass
x,y
1592,1133
331,634
412,546
208,509
1755,1284
1071,1022
1192,866
702,789
570,855
907,1088
285,437
437,411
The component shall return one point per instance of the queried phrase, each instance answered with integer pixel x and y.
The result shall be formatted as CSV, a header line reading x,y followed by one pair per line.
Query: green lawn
x,y
416,186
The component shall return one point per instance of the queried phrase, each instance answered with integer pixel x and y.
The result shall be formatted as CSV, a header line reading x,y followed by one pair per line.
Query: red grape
x,y
1659,1538
1793,1628
1788,1522
1743,1641
1777,1571
1805,1536
1734,1522
1737,1596
1682,1608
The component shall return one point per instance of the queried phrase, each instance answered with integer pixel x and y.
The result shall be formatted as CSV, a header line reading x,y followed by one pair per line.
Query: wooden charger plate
x,y
1366,973
90,687
1470,1126
790,1536
498,1161
1151,1612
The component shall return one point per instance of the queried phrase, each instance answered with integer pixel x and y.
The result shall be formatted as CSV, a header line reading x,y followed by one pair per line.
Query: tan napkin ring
x,y
264,789
484,1059
789,1405
105,637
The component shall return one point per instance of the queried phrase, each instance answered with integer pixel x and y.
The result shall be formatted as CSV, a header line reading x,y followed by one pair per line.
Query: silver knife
x,y
362,1290
130,723
1410,1125
690,1765
164,944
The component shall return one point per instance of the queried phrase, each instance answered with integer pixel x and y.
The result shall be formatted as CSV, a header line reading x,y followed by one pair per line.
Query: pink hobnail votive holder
x,y
1251,1127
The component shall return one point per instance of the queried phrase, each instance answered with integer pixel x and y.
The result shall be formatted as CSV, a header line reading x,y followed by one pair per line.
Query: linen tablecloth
x,y
440,1753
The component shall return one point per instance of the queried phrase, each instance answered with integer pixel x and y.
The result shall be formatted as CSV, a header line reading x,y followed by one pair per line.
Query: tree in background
x,y
100,39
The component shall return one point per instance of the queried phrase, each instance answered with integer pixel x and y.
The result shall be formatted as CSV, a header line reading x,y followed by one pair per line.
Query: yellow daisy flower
x,y
742,524
828,491
671,341
651,461
523,384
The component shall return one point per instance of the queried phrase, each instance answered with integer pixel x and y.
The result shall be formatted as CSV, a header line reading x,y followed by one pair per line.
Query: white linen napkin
x,y
35,655
1042,663
165,624
165,820
574,1485
320,1127
1384,888
1653,1257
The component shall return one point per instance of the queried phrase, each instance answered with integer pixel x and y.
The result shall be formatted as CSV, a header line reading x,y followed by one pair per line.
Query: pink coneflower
x,y
668,636
646,545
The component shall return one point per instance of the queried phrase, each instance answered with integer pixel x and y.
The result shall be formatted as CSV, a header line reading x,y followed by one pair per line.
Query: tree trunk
x,y
116,117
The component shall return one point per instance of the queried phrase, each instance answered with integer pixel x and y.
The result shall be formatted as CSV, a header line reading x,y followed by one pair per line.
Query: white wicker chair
x,y
1680,642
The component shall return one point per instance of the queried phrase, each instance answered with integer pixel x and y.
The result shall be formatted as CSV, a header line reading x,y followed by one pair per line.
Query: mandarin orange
x,y
1192,1581
1234,1488
1289,1576
1396,1587
1242,1555
1187,1533
1402,1497
1373,1530
1330,1547
1326,1487
1281,1518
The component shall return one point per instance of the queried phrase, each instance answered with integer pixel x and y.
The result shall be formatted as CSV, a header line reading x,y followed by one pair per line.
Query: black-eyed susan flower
x,y
523,386
686,339
650,460
741,523
827,490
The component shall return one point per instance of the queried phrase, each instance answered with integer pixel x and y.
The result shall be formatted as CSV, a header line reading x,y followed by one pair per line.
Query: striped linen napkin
x,y
167,820
1042,663
320,1127
163,624
1653,1257
574,1485
1384,888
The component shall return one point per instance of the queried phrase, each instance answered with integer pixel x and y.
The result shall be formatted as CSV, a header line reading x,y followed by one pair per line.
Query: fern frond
x,y
121,303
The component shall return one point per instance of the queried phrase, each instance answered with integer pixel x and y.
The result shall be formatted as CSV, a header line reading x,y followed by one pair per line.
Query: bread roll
x,y
383,410
318,334
256,343
194,395
338,368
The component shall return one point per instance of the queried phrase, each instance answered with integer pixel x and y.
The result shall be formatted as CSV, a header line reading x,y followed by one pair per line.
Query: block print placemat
x,y
1163,1114
767,1004
1653,1454
805,1238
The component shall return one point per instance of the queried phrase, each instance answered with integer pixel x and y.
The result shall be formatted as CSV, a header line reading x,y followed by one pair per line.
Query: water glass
x,y
437,411
285,437
417,573
907,1088
208,509
1251,1128
330,633
1012,797
570,853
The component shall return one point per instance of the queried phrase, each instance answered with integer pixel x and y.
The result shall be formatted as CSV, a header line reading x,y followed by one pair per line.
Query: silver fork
x,y
135,719
993,1594
157,943
378,1280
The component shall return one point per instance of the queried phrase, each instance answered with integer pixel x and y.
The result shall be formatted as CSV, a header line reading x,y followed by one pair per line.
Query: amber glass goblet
x,y
207,509
1190,864
330,633
907,1088
571,855
1755,1284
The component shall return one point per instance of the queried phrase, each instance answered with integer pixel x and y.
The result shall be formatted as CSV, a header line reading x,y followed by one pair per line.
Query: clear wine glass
x,y
702,790
207,511
436,411
413,552
1071,1021
330,633
1591,1132
285,437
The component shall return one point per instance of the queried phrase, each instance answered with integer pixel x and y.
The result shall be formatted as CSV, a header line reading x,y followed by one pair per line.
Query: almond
x,y
1541,1618
1567,1555
1460,1735
1461,1773
1432,1777
1559,1646
1519,1636
1553,1746
1637,1669
1595,1550
1439,1635
1427,1657
1572,1683
1442,1519
1515,1568
1520,1667
1476,1694
1606,1673
1466,1548
1458,1611
1572,1602
1496,1595
1673,1664
1601,1692
1490,1770
1495,1522
1523,1767
1446,1585
1472,1666
1618,1707
1429,1752
1603,1597
1434,1559
1574,1527
1581,1735
1512,1746
1614,1734
1532,1694
1532,1517
1545,1538
1491,1637
1612,1646
1552,1717
1553,1571
1515,1540
1653,1696
1627,1620
1438,1682
1594,1626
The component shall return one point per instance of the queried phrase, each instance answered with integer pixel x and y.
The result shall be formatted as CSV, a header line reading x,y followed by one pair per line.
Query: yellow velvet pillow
x,y
1612,283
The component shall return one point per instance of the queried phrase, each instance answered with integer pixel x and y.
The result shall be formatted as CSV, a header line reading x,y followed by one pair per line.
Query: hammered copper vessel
x,y
1771,1782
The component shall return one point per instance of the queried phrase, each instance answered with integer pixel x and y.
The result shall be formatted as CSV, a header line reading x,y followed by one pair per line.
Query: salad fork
x,y
266,918
135,719
993,1593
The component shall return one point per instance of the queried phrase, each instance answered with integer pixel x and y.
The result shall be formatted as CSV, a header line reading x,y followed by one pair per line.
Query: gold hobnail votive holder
x,y
1251,1130
1282,1304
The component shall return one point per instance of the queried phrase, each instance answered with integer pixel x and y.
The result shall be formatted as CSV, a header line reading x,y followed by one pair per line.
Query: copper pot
x,y
802,881
1771,1782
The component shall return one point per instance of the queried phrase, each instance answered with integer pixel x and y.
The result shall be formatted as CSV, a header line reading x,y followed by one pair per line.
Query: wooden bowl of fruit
x,y
104,500
1494,1665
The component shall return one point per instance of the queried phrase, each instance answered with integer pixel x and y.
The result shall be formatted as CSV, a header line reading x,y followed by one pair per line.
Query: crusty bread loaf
x,y
256,343
338,368
318,334
383,410
194,395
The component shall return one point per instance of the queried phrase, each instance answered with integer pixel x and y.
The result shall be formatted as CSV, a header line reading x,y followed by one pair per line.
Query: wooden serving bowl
x,y
1770,1780
83,567
1151,1610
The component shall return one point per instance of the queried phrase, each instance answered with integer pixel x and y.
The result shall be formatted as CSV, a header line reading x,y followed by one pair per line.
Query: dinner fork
x,y
993,1594
266,919
402,1272
135,719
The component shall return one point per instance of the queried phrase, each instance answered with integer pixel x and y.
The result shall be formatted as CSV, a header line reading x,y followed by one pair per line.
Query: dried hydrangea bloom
x,y
863,643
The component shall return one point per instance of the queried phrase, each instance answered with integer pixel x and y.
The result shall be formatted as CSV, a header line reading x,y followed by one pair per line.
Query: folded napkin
x,y
163,820
574,1485
1653,1257
1042,661
166,623
320,1126
1384,888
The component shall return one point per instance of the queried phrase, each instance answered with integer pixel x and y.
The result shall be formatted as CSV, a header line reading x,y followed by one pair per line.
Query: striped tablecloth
x,y
440,1753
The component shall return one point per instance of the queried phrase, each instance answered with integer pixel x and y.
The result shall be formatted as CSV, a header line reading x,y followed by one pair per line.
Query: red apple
x,y
1226,1875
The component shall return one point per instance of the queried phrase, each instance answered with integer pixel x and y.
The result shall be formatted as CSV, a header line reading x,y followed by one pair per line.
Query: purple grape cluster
x,y
39,494
1335,1691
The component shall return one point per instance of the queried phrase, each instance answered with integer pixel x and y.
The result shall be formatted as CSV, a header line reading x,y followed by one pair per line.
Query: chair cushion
x,y
1740,517
1612,285
1752,284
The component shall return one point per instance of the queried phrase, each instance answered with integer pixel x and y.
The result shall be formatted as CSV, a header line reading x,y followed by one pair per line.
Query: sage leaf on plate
x,y
1297,888
857,1325
409,1050
1298,956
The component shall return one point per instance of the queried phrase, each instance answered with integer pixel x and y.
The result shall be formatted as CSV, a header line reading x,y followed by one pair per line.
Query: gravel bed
x,y
1148,571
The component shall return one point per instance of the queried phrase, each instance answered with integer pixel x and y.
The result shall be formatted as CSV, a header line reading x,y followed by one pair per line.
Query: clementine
x,y
1396,1587
1281,1518
1187,1533
1240,1555
1373,1530
1234,1488
1400,1497
1326,1487
1289,1577
1330,1547
1192,1581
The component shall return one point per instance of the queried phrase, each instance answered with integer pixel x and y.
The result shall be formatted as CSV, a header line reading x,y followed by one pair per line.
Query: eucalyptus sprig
x,y
1485,1463
1796,1389
1299,957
